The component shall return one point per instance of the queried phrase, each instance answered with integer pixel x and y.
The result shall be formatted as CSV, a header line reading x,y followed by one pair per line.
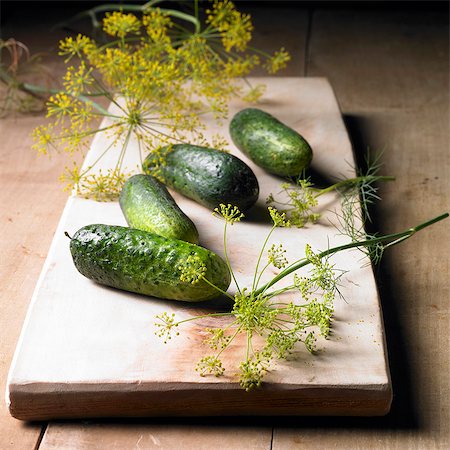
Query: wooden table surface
x,y
389,69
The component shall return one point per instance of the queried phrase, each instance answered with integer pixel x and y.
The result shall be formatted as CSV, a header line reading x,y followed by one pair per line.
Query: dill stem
x,y
226,256
261,52
388,239
86,133
141,156
34,89
218,289
261,274
185,17
98,159
123,150
155,132
280,291
204,316
108,95
254,285
238,330
92,13
351,181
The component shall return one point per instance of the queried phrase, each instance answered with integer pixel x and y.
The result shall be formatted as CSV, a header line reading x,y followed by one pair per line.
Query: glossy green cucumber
x,y
270,143
208,176
147,205
138,261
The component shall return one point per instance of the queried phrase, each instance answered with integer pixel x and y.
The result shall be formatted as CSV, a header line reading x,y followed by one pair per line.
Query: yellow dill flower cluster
x,y
77,79
278,61
160,73
79,46
120,24
235,28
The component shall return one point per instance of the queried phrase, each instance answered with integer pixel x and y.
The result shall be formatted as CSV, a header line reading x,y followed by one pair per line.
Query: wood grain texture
x,y
284,25
26,227
87,351
34,28
31,200
390,73
418,338
164,436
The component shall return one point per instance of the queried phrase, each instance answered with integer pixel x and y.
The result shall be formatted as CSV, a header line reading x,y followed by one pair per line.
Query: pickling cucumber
x,y
270,143
208,176
147,205
145,263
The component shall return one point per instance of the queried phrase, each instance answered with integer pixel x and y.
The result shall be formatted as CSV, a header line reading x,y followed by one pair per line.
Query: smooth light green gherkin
x,y
147,205
270,143
137,261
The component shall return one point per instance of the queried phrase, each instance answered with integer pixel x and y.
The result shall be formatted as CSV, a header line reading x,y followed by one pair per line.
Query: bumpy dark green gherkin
x,y
145,263
270,143
208,176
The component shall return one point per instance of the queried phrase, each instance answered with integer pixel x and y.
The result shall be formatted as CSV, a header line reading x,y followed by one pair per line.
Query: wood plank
x,y
164,436
367,123
82,366
270,32
31,200
285,25
393,60
27,226
390,73
23,265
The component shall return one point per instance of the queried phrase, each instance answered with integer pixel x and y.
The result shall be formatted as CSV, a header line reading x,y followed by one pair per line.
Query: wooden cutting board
x,y
90,351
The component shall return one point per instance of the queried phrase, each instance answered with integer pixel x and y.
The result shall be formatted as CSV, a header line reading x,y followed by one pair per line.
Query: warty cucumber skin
x,y
270,143
147,205
138,261
208,176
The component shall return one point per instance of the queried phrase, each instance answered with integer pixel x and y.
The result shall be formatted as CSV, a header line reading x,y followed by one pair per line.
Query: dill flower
x,y
229,213
278,217
159,75
79,46
210,365
43,138
77,79
276,256
235,28
60,105
165,326
272,327
277,61
192,270
120,24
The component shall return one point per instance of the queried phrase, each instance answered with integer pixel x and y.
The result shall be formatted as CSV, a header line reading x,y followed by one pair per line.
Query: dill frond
x,y
357,194
162,69
271,327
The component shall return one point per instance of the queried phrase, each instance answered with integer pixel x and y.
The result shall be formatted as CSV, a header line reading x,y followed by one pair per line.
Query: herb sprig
x,y
16,65
271,326
356,193
161,71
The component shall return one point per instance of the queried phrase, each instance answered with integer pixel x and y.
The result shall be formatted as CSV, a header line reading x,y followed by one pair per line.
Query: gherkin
x,y
145,263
